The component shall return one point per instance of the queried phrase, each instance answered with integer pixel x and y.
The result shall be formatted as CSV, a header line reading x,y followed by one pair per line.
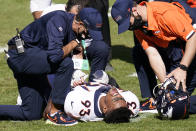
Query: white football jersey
x,y
132,101
39,5
53,7
83,102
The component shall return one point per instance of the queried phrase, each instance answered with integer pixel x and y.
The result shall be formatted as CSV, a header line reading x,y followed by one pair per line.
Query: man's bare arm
x,y
190,51
69,47
37,14
156,63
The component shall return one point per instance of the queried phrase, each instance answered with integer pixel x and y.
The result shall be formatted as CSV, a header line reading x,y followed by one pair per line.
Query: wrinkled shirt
x,y
167,22
51,32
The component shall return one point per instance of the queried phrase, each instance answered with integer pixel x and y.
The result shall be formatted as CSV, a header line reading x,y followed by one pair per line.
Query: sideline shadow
x,y
122,52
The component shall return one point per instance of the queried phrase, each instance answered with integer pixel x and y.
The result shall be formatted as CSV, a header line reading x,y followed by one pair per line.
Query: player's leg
x,y
191,85
146,77
192,109
33,61
98,53
62,81
34,97
62,85
102,6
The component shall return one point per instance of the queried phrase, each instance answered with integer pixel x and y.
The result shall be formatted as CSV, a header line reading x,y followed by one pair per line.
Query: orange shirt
x,y
167,22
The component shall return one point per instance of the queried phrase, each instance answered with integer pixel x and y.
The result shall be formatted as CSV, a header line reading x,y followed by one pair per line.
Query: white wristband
x,y
77,41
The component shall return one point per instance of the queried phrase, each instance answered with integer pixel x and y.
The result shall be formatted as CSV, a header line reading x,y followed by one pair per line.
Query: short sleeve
x,y
143,39
179,23
56,31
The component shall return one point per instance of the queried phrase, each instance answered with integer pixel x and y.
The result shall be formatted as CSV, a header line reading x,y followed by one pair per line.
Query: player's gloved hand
x,y
78,78
80,81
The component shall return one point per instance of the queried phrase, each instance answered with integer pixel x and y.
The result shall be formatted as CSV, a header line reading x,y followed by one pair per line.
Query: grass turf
x,y
15,13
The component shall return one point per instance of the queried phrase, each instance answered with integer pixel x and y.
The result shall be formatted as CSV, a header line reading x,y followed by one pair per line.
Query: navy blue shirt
x,y
51,32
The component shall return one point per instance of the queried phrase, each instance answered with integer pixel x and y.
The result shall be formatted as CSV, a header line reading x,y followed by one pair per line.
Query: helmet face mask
x,y
172,103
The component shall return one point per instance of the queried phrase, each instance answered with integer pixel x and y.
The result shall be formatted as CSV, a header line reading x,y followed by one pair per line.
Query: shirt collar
x,y
98,92
151,21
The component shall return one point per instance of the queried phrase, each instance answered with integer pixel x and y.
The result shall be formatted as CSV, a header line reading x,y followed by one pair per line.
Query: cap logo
x,y
118,18
158,31
60,29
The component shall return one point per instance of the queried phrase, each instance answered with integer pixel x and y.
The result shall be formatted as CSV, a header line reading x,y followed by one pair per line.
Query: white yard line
x,y
132,75
3,48
109,12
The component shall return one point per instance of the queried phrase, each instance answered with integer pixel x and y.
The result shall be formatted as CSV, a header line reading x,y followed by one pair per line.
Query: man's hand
x,y
190,51
180,76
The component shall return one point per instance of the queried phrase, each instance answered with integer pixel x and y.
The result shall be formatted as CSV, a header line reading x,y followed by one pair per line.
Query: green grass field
x,y
16,13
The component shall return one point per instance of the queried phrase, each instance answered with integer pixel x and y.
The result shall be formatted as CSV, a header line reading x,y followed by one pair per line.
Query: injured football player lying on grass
x,y
97,101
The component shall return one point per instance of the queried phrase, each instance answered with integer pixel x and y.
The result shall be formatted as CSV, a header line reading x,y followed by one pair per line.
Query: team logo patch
x,y
158,31
118,18
60,29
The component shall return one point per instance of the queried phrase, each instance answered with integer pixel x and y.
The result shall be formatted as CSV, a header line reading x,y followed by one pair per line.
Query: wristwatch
x,y
183,67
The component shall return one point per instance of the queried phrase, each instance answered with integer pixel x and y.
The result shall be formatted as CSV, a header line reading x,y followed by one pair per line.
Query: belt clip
x,y
6,55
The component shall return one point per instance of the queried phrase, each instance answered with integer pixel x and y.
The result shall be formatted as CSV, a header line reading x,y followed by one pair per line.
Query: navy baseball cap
x,y
121,14
93,21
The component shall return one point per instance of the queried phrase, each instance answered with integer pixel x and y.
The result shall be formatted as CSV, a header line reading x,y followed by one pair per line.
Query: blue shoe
x,y
148,106
60,118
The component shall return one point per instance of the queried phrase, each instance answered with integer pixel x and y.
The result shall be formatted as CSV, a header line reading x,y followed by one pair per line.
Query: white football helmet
x,y
132,102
